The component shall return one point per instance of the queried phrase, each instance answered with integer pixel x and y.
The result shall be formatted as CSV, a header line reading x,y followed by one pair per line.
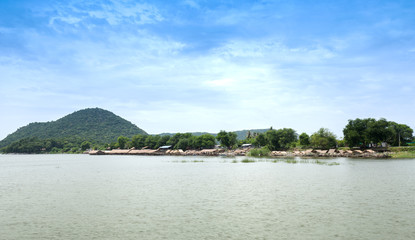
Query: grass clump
x,y
333,164
326,163
291,161
305,161
246,160
188,161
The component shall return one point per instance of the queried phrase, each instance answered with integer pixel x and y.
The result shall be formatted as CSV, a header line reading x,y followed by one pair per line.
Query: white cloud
x,y
113,12
191,3
119,12
69,20
274,51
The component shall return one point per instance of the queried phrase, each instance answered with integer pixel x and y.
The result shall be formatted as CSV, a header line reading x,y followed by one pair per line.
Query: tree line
x,y
287,138
51,145
361,133
177,141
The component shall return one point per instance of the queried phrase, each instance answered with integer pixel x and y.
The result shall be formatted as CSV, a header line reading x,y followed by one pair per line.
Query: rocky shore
x,y
244,152
331,153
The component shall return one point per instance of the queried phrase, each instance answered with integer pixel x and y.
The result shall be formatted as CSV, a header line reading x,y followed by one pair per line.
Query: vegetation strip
x,y
98,131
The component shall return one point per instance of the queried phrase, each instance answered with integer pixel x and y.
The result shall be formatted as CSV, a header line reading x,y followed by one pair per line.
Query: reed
x,y
246,160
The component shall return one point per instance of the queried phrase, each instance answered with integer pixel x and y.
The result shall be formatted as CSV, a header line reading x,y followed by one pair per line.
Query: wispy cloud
x,y
191,3
275,51
112,12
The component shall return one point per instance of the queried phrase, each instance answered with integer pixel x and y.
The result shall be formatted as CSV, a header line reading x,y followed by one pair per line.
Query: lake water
x,y
150,197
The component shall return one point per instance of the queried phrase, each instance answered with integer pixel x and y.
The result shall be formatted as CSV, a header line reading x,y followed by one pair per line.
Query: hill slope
x,y
92,124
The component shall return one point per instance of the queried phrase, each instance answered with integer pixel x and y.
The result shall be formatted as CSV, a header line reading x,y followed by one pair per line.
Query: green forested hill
x,y
93,124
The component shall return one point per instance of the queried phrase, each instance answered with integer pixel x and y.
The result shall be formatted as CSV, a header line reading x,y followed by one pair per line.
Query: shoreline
x,y
309,153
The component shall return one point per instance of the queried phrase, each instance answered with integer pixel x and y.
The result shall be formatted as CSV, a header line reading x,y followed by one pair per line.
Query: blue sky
x,y
180,66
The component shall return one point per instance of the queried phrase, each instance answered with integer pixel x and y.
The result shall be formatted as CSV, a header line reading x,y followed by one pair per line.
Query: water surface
x,y
150,197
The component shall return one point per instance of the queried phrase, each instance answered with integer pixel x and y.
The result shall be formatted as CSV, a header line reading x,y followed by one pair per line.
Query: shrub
x,y
259,152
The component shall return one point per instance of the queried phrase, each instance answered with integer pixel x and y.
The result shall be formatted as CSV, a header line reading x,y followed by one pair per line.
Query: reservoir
x,y
185,197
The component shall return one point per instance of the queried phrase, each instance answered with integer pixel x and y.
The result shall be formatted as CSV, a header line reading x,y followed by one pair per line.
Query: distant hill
x,y
241,134
93,124
193,133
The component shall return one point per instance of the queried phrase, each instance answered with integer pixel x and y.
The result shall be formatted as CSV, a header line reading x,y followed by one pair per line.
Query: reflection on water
x,y
138,197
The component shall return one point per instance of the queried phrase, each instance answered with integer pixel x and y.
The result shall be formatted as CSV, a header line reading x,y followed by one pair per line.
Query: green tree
x,y
192,142
113,145
175,139
304,139
260,140
323,138
401,134
26,145
139,141
122,142
281,138
205,141
355,132
272,139
362,132
378,131
151,141
85,145
287,136
341,143
183,144
163,140
226,139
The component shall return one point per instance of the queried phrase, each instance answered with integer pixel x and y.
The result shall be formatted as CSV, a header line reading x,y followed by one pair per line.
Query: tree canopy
x,y
281,138
182,141
362,132
304,139
323,138
122,142
226,139
37,145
